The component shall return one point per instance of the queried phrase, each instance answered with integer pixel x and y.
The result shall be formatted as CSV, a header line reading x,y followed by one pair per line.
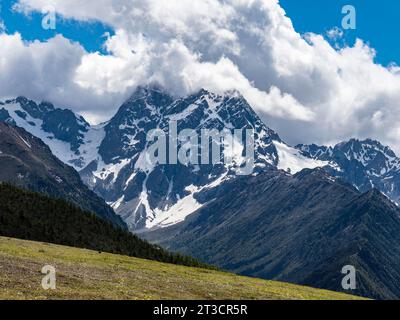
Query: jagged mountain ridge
x,y
110,156
366,164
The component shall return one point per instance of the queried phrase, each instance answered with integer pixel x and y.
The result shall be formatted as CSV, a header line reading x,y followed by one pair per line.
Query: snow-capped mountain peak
x,y
63,130
365,164
113,158
149,195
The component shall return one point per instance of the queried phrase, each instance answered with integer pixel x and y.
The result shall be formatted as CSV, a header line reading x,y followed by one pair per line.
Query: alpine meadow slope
x,y
90,275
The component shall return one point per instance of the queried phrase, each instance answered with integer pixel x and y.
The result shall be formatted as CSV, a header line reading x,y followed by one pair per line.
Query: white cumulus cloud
x,y
303,87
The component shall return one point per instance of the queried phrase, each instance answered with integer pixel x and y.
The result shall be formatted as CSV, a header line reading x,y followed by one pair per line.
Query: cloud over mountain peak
x,y
307,90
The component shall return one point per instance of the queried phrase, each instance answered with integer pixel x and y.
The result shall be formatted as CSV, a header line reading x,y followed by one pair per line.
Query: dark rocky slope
x,y
301,229
26,162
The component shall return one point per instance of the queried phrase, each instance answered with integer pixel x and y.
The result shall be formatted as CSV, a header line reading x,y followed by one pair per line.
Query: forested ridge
x,y
33,216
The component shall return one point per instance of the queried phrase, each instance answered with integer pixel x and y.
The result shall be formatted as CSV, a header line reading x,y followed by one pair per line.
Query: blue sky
x,y
378,23
90,35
